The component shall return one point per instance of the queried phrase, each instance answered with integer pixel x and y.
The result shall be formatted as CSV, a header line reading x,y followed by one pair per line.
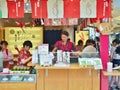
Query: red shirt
x,y
23,55
68,47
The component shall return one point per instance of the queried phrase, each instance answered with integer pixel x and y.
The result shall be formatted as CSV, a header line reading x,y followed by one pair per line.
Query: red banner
x,y
15,8
103,8
39,8
71,8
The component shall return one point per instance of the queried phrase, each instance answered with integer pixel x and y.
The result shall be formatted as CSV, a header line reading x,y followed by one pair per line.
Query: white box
x,y
43,49
66,57
45,60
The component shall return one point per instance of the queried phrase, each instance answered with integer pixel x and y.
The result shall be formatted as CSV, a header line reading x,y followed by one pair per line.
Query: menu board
x,y
15,36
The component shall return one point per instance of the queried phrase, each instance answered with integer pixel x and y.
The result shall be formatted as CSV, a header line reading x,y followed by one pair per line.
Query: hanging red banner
x,y
71,8
103,8
39,8
15,8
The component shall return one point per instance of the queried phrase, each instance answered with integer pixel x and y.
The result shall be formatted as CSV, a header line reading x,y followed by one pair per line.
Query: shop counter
x,y
74,77
17,81
113,73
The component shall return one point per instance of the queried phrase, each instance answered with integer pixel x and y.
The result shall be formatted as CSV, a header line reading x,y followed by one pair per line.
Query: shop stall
x,y
21,20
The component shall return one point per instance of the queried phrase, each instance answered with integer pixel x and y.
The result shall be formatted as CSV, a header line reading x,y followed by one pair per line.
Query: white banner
x,y
3,9
55,8
88,8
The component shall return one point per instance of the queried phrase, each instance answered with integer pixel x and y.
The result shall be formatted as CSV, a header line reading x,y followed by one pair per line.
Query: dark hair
x,y
116,41
117,50
93,41
97,38
4,42
79,42
65,33
27,43
88,41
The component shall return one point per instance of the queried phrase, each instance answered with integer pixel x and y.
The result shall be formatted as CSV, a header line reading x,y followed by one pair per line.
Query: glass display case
x,y
17,77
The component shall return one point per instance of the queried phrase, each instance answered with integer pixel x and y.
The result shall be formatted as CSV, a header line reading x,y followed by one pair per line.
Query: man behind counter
x,y
64,44
24,53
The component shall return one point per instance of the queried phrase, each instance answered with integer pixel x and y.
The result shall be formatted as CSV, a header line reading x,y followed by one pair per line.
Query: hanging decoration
x,y
20,24
3,9
55,8
88,9
103,8
15,8
32,24
71,8
105,27
39,8
61,22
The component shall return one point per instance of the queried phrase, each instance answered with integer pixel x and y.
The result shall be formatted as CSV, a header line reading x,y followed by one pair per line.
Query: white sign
x,y
43,49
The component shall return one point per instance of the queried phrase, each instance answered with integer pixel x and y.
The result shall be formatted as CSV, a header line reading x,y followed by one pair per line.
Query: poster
x,y
15,37
81,35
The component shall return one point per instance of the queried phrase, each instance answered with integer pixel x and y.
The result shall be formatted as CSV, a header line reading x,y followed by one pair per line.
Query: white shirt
x,y
89,49
115,56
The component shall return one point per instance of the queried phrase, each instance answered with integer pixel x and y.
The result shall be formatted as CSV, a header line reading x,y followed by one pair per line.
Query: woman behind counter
x,y
64,44
24,53
7,55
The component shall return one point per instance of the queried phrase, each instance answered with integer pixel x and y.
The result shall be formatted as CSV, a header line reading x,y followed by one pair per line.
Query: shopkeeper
x,y
7,55
64,44
24,54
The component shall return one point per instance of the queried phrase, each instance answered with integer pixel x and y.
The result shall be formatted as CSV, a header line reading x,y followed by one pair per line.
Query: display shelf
x,y
113,73
17,77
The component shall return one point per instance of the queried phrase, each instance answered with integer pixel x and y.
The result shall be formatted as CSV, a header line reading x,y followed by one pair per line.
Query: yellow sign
x,y
15,36
81,35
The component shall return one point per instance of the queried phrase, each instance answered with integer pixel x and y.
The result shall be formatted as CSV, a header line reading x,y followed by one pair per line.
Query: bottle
x,y
109,67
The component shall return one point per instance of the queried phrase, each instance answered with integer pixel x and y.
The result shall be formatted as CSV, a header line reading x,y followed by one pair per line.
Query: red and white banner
x,y
39,8
71,8
15,8
55,8
61,21
3,9
88,9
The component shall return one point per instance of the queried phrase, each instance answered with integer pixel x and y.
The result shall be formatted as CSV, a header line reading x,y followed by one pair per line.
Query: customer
x,y
115,58
7,55
97,43
24,54
80,45
64,44
90,46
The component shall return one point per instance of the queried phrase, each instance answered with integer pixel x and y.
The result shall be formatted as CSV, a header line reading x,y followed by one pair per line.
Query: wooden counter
x,y
17,86
73,77
114,73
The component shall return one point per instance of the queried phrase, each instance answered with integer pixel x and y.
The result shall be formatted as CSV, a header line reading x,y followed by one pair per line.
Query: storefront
x,y
42,22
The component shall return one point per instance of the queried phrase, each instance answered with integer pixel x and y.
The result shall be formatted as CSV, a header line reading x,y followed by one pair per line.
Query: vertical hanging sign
x,y
55,8
3,9
88,9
